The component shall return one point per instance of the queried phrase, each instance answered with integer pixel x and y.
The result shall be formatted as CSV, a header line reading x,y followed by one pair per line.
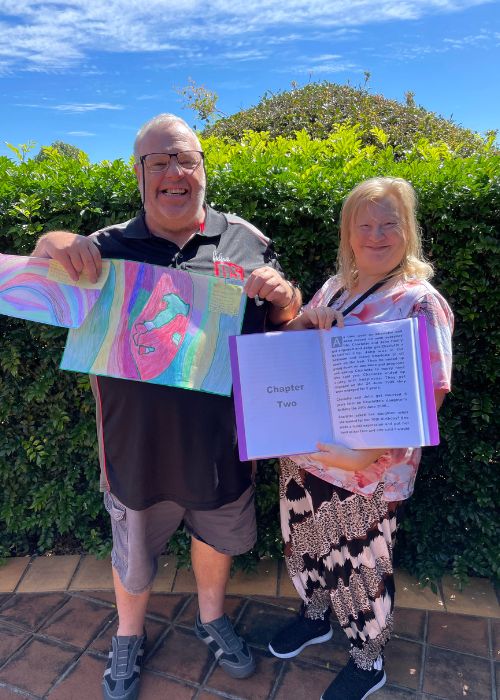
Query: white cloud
x,y
79,107
404,52
465,41
41,35
250,55
326,68
327,57
81,133
148,97
75,108
321,65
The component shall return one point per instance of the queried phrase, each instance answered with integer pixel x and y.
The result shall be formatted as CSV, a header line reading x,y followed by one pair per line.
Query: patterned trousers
x,y
338,551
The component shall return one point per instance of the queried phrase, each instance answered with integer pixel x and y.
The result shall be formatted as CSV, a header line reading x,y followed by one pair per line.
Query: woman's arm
x,y
351,460
439,395
345,458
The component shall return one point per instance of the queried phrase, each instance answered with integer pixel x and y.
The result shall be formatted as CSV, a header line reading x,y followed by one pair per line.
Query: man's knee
x,y
230,529
139,538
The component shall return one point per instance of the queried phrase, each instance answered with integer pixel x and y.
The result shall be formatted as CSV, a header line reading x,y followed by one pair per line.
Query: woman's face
x,y
377,239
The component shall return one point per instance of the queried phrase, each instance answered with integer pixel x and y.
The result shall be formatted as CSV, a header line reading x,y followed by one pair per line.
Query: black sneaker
x,y
122,675
298,635
231,651
353,683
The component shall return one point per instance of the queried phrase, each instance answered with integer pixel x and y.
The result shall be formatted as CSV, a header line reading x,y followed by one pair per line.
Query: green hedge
x,y
320,107
292,188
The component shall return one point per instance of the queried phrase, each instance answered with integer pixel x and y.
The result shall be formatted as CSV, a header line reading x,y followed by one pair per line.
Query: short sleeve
x,y
324,294
271,259
440,322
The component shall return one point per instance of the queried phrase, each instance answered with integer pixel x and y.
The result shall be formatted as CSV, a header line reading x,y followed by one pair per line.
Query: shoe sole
x,y
127,695
296,652
374,689
239,673
233,671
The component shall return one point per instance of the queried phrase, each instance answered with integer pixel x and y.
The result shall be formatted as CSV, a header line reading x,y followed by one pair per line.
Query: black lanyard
x,y
361,298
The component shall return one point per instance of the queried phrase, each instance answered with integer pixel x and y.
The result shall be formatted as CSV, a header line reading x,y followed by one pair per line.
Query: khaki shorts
x,y
139,536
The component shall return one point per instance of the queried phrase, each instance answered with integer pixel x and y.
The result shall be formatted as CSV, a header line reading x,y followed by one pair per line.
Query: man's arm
x,y
77,254
285,299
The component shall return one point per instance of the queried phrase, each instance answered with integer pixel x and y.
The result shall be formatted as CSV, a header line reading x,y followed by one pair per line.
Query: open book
x,y
366,385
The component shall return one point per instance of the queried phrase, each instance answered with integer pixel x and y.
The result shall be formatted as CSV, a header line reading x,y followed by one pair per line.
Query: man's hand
x,y
77,254
268,284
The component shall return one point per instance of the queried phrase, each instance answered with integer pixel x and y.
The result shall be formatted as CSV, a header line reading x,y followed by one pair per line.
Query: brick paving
x,y
53,645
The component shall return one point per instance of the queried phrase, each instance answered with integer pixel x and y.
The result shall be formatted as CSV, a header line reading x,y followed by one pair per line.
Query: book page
x,y
373,374
282,405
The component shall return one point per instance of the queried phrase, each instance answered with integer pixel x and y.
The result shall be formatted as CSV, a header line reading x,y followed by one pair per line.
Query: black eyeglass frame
x,y
143,168
142,160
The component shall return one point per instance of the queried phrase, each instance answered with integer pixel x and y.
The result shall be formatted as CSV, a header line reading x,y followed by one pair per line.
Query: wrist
x,y
292,298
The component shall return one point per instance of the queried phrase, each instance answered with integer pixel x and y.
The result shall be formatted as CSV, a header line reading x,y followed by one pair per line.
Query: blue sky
x,y
90,72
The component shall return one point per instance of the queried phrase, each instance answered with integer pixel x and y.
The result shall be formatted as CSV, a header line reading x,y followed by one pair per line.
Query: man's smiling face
x,y
174,196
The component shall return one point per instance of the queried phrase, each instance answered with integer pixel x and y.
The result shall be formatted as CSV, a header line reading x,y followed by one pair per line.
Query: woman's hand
x,y
322,318
345,458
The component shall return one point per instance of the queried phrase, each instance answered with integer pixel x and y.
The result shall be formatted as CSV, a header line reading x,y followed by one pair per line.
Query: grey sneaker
x,y
122,675
231,651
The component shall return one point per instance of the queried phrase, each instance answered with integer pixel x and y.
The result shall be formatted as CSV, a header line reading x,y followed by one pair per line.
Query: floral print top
x,y
397,468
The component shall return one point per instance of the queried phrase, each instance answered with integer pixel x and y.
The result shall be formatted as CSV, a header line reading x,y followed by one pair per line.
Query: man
x,y
169,454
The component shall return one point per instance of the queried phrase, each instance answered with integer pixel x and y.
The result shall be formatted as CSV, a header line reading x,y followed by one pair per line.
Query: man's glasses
x,y
158,162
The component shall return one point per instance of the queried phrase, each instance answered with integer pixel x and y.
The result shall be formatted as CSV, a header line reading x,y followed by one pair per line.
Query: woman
x,y
339,507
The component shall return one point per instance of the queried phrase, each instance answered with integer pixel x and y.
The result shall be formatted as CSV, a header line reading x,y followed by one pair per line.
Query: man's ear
x,y
137,171
138,177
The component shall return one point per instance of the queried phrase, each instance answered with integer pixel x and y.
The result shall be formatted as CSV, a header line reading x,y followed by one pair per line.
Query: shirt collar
x,y
215,224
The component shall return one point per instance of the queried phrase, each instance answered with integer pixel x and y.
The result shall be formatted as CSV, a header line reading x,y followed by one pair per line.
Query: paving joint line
x,y
19,691
492,662
170,625
279,679
16,651
77,568
171,677
84,595
458,651
24,574
82,649
424,653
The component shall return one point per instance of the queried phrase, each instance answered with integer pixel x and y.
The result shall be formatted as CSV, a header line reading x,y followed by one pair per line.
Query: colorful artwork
x,y
38,289
160,325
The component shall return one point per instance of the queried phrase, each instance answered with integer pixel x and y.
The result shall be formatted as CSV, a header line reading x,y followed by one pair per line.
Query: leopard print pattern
x,y
338,550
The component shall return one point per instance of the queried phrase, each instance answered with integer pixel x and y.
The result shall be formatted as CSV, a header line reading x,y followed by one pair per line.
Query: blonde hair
x,y
413,263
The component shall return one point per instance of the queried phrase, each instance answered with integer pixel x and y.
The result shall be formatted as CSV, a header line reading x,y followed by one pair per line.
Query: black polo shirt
x,y
161,443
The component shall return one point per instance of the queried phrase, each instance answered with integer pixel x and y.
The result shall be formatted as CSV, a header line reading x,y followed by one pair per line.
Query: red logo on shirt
x,y
228,270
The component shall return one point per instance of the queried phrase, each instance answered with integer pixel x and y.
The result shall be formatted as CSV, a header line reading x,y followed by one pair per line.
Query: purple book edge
x,y
238,403
427,377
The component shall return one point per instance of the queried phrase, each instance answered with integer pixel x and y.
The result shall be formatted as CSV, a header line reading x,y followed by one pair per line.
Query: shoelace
x,y
122,654
227,635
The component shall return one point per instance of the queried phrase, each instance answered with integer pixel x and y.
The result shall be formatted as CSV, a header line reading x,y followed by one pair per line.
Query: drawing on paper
x,y
159,325
39,289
